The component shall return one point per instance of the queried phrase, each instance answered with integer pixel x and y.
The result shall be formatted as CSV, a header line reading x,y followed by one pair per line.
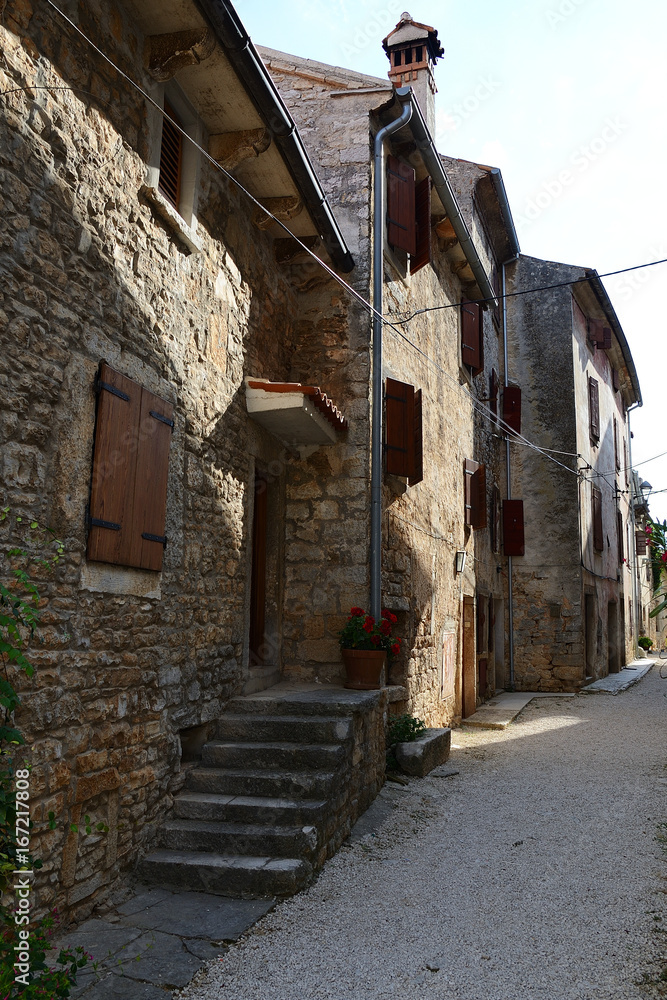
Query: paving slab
x,y
504,708
614,683
201,915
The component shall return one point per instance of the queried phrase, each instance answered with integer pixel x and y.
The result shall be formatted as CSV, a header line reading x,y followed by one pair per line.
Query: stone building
x,y
573,598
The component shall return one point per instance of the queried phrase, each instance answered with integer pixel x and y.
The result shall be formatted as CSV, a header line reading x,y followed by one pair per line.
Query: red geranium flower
x,y
369,624
385,627
390,616
396,648
375,639
354,612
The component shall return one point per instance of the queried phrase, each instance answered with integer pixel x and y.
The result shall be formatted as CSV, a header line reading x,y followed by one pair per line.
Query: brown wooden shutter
x,y
128,493
401,228
417,473
472,335
619,536
598,534
171,159
475,494
512,408
594,408
422,255
606,338
615,379
513,531
640,543
617,453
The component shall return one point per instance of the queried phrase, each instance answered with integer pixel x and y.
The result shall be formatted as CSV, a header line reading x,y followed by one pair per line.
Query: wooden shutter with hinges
x,y
513,529
472,347
594,408
171,158
598,534
422,255
128,492
617,451
619,536
512,408
474,476
401,227
640,543
403,431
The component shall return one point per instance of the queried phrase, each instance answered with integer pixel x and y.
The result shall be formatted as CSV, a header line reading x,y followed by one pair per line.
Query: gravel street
x,y
534,873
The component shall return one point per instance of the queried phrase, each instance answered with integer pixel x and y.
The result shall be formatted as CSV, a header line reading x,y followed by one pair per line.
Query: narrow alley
x,y
526,868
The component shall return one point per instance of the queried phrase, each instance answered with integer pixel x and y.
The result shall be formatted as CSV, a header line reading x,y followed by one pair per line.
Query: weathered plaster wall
x,y
89,272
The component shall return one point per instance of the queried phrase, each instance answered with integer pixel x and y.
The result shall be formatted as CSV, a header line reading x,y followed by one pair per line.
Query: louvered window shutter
x,y
471,336
422,255
513,529
417,473
475,494
640,543
598,534
128,493
615,379
399,441
617,453
619,536
594,408
512,408
171,159
401,228
606,338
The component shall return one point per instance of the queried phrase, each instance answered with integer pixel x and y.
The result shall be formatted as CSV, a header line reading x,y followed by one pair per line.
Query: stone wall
x,y
89,271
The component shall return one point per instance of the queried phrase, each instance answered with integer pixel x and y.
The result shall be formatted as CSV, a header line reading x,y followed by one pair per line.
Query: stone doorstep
x,y
625,678
504,708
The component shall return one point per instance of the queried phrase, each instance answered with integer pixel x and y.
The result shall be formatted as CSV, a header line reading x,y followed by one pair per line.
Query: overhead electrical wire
x,y
476,404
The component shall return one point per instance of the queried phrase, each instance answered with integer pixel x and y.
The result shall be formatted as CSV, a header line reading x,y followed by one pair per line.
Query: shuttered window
x,y
171,158
472,342
594,409
619,536
475,493
599,334
617,452
615,379
422,255
128,494
640,543
512,408
401,226
403,431
513,530
598,535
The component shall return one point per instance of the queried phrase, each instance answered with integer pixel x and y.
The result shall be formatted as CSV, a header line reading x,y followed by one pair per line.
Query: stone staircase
x,y
275,794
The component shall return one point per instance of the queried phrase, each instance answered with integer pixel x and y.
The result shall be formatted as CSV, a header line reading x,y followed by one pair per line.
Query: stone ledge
x,y
422,755
183,232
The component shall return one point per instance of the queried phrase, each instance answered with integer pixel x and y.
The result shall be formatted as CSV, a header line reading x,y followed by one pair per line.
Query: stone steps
x,y
275,793
248,809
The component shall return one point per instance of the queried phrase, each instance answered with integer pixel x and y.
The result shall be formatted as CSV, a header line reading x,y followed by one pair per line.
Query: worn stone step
x,y
238,838
284,728
320,701
289,784
253,809
276,755
225,875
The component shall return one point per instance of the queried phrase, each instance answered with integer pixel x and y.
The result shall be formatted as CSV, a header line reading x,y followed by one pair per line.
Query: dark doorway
x,y
258,577
590,626
469,666
612,638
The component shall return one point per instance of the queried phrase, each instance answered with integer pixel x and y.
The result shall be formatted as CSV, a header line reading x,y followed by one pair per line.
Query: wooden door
x,y
258,578
469,667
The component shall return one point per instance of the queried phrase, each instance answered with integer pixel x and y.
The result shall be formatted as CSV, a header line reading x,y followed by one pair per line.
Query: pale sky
x,y
567,98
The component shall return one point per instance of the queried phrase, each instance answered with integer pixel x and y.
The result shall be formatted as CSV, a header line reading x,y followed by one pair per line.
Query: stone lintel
x,y
231,148
165,54
284,209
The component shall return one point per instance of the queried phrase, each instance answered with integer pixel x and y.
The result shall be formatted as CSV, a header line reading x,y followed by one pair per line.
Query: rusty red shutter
x,y
512,408
598,534
399,428
615,379
640,543
474,476
513,530
114,462
422,255
150,491
129,482
469,470
401,229
417,473
606,338
619,536
594,408
471,335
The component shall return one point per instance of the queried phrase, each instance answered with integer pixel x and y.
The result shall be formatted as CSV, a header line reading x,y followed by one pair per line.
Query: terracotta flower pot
x,y
363,668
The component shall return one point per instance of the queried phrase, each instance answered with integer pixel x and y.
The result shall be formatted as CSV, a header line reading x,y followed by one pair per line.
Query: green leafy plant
x,y
43,980
405,729
656,538
644,642
361,631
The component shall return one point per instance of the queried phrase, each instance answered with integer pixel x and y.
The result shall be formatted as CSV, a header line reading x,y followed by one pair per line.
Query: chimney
x,y
413,50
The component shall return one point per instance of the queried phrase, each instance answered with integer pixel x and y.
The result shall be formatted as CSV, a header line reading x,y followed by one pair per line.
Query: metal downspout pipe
x,y
379,210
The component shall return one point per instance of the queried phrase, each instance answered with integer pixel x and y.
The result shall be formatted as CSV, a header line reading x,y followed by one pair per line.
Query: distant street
x,y
532,874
